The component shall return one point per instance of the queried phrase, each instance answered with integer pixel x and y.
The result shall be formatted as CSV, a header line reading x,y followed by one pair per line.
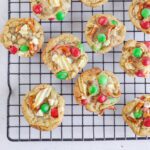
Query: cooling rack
x,y
78,124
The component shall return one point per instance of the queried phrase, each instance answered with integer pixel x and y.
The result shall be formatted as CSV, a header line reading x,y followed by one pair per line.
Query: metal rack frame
x,y
78,124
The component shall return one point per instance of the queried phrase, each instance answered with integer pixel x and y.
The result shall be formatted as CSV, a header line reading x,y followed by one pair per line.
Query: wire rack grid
x,y
78,124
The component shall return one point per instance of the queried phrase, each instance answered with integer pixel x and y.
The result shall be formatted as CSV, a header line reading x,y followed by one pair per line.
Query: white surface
x,y
5,144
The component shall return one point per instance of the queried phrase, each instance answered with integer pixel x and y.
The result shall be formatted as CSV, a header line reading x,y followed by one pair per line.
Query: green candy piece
x,y
137,52
138,114
113,100
101,38
145,13
81,47
102,79
62,75
45,108
24,48
93,90
114,22
97,47
60,16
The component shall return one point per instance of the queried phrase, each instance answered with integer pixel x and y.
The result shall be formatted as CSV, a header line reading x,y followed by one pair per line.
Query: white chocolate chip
x,y
147,104
24,30
35,41
40,97
40,113
51,102
107,43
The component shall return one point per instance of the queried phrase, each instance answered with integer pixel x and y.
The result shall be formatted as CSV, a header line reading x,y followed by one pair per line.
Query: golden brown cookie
x,y
65,56
23,36
43,108
139,13
103,32
97,90
136,114
135,60
94,3
50,9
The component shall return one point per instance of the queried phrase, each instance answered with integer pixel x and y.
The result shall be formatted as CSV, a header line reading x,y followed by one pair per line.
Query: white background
x,y
6,145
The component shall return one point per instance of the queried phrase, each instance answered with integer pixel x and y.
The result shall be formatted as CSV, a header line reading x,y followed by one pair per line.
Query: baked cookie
x,y
137,115
139,13
97,90
135,59
23,36
94,3
65,56
43,108
51,9
103,32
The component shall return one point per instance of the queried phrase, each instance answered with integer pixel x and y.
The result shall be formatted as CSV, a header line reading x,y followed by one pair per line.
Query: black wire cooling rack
x,y
78,124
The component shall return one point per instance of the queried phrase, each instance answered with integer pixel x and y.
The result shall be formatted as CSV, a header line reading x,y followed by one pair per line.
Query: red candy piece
x,y
146,122
102,98
102,21
147,5
146,61
51,19
38,8
84,101
145,24
147,44
13,49
75,52
54,112
140,73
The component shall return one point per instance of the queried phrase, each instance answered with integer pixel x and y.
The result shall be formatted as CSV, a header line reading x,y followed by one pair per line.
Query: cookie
x,y
50,9
94,3
97,90
136,114
43,108
135,59
103,32
139,13
23,36
65,57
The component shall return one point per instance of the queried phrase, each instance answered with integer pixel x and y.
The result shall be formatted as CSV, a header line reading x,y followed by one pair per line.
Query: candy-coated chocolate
x,y
146,122
45,108
113,100
93,90
54,112
137,52
62,75
146,61
60,16
102,21
75,52
114,22
145,24
24,48
13,49
51,19
145,13
102,79
101,38
102,98
147,44
140,73
138,114
81,47
84,101
38,9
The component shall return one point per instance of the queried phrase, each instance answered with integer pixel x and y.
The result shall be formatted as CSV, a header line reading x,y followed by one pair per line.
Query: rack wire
x,y
78,124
